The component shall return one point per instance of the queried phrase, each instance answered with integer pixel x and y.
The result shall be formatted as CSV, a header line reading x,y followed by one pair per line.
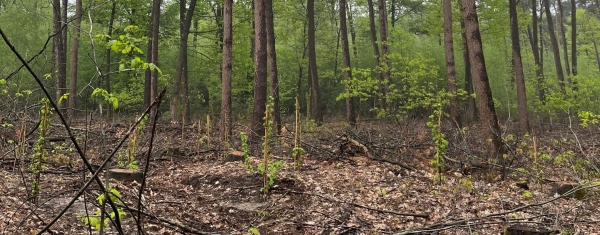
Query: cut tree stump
x,y
126,175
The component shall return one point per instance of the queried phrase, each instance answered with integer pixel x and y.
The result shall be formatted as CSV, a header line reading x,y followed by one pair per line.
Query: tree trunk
x,y
74,59
226,71
487,111
272,61
573,38
185,23
111,21
352,32
315,93
59,52
539,71
346,65
450,65
563,37
470,106
383,33
154,51
555,50
260,71
518,66
377,53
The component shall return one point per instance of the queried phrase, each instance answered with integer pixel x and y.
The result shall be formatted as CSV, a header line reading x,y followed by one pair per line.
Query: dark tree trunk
x,y
487,111
272,61
383,33
450,65
315,92
563,37
74,58
352,33
373,31
539,70
109,109
260,71
226,71
518,65
185,23
470,106
346,65
555,50
59,52
574,38
154,51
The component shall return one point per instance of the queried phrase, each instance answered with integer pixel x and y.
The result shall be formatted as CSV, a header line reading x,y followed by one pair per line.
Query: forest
x,y
299,117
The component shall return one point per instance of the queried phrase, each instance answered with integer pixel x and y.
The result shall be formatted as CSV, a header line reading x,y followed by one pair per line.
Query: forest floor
x,y
351,182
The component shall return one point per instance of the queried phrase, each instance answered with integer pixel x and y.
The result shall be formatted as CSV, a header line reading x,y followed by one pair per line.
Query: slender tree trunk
x,y
226,71
563,37
260,71
300,93
109,109
154,52
272,62
518,65
60,70
487,111
450,65
596,51
385,62
539,70
346,65
574,37
74,58
555,50
315,92
393,12
352,32
373,31
185,23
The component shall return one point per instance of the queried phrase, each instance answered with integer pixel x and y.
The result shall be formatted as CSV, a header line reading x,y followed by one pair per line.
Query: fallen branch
x,y
373,155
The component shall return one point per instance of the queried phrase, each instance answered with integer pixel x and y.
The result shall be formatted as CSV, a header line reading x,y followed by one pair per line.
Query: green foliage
x,y
439,139
39,151
94,220
527,194
103,95
253,230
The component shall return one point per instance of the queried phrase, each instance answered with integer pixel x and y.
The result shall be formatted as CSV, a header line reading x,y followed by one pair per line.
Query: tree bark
x,y
470,106
373,30
450,64
518,66
226,71
74,59
383,34
560,19
111,21
154,51
352,32
272,63
555,50
185,23
60,70
574,38
487,111
346,65
539,71
315,92
260,71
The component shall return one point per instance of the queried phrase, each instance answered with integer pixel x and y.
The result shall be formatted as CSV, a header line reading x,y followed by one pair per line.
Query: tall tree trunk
x,y
518,66
59,52
352,32
574,37
393,12
563,37
373,31
226,71
539,70
185,23
450,65
111,21
470,106
260,71
487,111
346,65
315,92
555,50
385,62
74,58
596,51
272,62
